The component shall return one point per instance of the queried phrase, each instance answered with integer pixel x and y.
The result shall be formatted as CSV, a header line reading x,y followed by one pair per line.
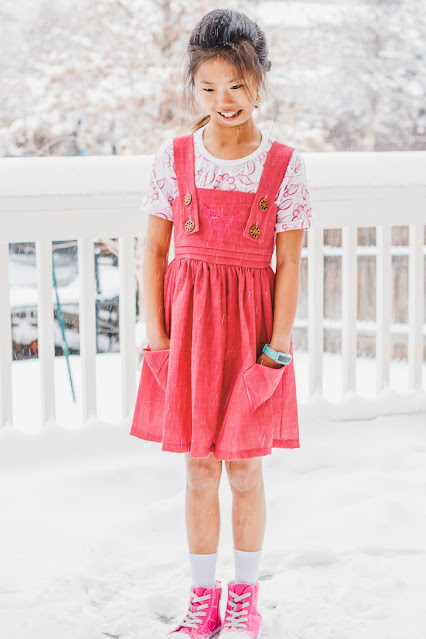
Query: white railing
x,y
85,198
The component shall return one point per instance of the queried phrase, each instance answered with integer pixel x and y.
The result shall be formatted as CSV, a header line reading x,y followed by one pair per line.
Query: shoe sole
x,y
212,635
235,634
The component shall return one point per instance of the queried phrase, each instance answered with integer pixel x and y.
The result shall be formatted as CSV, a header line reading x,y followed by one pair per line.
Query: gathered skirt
x,y
206,393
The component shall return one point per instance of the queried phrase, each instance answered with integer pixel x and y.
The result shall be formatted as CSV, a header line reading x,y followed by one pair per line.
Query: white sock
x,y
203,568
246,566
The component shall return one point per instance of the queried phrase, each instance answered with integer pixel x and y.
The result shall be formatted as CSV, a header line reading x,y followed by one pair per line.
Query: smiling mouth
x,y
229,115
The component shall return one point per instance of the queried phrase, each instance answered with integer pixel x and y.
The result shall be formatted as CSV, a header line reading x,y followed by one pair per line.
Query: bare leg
x,y
248,503
202,503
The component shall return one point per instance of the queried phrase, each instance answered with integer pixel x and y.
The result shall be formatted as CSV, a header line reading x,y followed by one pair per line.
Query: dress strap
x,y
272,176
184,161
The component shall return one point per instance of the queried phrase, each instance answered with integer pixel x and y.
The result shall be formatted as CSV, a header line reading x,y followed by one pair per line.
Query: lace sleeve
x,y
293,200
163,185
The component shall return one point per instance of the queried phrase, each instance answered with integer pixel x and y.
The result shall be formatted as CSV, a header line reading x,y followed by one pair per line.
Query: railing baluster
x,y
415,306
349,308
5,340
127,319
45,327
87,323
315,309
383,306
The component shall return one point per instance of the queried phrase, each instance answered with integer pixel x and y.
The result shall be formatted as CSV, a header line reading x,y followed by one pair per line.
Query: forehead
x,y
217,70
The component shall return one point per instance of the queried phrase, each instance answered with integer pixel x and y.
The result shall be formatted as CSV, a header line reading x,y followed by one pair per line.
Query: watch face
x,y
283,359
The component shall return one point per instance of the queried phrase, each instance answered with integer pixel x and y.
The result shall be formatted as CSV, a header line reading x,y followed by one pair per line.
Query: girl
x,y
217,380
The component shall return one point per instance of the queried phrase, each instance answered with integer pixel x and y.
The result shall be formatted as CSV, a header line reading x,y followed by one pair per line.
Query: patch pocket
x,y
261,382
158,362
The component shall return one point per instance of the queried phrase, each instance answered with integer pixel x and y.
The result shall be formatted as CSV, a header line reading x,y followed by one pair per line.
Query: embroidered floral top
x,y
243,174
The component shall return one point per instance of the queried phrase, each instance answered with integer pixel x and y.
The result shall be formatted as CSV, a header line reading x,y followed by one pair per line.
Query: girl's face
x,y
220,93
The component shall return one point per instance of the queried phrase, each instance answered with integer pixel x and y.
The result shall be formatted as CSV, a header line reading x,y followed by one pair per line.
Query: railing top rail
x,y
79,175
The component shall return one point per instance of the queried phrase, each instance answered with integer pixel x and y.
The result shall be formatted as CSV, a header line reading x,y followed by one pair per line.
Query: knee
x,y
203,474
244,476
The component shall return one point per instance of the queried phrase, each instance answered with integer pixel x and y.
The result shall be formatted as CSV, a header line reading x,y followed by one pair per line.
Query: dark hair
x,y
230,35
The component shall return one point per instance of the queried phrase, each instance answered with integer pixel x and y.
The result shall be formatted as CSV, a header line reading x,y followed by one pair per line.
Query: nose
x,y
224,100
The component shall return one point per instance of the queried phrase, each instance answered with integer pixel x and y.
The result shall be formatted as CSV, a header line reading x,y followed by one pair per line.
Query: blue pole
x,y
62,325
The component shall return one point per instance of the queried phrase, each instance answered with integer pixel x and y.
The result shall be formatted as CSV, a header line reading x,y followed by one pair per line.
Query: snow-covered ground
x,y
93,540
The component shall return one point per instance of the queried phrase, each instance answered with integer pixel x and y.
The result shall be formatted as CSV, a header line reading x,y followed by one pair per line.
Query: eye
x,y
236,86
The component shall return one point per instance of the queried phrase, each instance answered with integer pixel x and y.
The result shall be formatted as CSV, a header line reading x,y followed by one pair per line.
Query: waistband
x,y
224,256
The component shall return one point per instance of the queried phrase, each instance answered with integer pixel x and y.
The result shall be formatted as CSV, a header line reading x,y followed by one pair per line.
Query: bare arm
x,y
159,232
289,249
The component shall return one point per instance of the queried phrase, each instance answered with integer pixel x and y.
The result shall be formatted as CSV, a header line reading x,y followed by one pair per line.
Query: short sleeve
x,y
293,200
163,184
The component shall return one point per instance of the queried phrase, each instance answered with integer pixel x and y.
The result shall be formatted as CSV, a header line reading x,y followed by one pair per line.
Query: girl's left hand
x,y
265,360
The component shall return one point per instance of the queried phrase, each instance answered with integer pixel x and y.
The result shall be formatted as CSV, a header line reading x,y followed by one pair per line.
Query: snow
x,y
73,175
106,175
88,79
307,14
93,538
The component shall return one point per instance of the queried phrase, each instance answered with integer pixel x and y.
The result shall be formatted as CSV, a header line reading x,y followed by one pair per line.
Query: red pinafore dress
x,y
207,393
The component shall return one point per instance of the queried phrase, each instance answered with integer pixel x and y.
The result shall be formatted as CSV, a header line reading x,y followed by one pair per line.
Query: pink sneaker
x,y
242,619
203,620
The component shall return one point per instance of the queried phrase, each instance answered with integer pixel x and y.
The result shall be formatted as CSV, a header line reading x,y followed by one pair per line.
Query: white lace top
x,y
243,174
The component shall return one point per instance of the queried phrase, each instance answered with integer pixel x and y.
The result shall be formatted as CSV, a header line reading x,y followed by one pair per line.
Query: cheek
x,y
247,100
203,97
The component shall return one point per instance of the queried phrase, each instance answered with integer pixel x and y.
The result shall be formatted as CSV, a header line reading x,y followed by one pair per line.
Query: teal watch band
x,y
278,356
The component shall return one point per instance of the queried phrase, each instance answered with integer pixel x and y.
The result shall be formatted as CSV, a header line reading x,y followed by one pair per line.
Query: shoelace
x,y
192,618
233,617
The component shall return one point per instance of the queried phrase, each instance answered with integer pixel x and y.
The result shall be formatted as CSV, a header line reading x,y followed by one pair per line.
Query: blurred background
x,y
102,76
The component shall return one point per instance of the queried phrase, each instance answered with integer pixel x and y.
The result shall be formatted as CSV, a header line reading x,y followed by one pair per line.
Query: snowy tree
x,y
96,78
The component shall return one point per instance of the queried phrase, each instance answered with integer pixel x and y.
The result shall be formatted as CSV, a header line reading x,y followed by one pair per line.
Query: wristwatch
x,y
281,358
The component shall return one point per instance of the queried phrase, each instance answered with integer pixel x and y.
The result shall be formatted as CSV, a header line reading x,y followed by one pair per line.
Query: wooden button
x,y
187,199
189,225
263,204
254,231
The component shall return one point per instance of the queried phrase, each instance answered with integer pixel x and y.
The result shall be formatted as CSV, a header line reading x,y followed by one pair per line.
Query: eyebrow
x,y
233,80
